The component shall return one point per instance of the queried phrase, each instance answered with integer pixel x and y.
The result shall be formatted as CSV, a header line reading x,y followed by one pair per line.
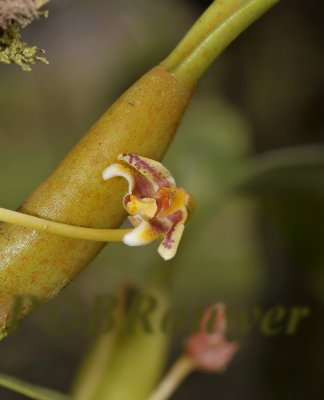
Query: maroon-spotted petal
x,y
154,171
169,246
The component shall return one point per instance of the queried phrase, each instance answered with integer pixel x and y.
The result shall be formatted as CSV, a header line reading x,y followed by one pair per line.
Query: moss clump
x,y
20,12
13,50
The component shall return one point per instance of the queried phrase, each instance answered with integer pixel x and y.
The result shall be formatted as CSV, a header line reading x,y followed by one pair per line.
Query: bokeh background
x,y
258,247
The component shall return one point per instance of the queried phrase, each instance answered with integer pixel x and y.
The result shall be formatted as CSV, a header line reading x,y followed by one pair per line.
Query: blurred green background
x,y
260,247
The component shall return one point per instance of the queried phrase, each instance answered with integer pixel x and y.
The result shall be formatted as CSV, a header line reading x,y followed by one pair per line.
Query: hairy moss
x,y
14,15
20,12
13,50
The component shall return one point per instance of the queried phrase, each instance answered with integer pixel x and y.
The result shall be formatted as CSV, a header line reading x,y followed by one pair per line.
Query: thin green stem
x,y
74,232
221,23
30,390
275,160
180,370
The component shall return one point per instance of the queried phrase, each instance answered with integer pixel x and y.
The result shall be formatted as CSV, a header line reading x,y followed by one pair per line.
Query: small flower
x,y
209,349
157,208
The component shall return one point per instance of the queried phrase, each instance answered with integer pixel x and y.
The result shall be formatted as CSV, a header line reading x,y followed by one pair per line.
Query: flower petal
x,y
215,315
115,170
142,234
154,171
170,243
217,358
138,184
171,200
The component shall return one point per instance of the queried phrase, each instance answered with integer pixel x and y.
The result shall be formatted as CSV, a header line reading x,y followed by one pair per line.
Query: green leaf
x,y
289,184
32,391
292,171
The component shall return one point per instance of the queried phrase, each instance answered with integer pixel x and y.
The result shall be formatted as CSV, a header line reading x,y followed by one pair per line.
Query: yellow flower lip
x,y
157,208
173,199
146,207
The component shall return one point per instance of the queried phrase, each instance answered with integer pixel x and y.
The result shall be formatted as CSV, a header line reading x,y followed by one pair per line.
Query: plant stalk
x,y
56,228
220,24
180,370
142,121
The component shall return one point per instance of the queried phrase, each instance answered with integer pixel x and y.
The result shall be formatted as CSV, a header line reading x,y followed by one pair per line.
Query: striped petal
x,y
154,171
138,185
169,246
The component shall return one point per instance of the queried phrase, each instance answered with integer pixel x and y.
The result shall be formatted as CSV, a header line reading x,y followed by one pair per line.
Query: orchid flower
x,y
157,208
209,349
205,351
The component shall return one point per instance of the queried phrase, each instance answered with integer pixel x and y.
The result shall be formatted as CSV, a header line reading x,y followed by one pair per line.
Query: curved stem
x,y
273,160
74,232
221,23
180,370
30,390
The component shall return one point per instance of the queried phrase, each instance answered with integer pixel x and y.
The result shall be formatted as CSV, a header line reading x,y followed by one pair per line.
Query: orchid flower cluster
x,y
157,208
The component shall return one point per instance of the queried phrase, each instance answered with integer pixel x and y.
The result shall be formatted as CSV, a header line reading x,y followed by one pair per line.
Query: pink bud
x,y
209,349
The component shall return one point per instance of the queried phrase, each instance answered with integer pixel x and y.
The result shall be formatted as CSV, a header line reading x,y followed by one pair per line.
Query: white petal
x,y
141,235
115,170
168,252
169,246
